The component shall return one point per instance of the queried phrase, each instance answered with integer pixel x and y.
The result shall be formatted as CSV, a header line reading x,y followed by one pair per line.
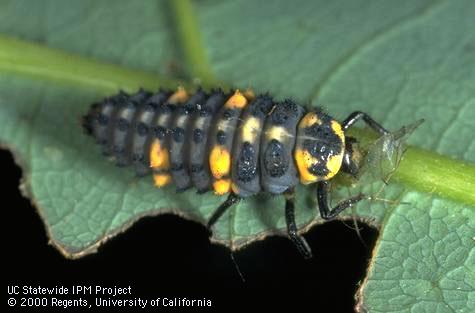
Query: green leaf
x,y
424,260
398,61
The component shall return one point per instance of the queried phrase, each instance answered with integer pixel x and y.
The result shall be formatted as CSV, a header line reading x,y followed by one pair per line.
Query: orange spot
x,y
309,119
219,162
178,96
161,180
159,156
338,131
237,101
222,186
304,160
334,165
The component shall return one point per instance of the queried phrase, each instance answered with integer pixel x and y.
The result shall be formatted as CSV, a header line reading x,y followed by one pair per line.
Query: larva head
x,y
320,147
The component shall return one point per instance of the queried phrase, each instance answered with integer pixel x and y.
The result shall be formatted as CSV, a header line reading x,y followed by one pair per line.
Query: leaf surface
x,y
398,61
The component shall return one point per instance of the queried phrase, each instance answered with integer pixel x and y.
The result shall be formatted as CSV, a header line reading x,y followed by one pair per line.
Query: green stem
x,y
34,60
190,39
430,172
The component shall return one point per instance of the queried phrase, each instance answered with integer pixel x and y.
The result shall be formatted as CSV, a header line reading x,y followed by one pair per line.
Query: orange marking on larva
x,y
179,96
304,160
222,186
334,165
219,162
237,101
338,131
309,119
161,180
159,158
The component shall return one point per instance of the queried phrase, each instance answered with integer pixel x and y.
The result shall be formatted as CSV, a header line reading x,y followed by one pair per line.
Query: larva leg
x,y
298,240
356,116
328,213
232,199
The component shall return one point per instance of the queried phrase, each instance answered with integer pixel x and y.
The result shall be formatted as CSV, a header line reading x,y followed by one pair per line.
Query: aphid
x,y
231,143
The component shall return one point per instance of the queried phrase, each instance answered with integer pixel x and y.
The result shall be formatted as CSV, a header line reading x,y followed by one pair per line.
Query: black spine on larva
x,y
121,126
180,140
246,149
278,171
101,120
224,132
199,137
123,134
143,131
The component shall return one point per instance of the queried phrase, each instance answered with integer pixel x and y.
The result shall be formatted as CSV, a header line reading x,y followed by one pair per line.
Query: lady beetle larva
x,y
232,143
